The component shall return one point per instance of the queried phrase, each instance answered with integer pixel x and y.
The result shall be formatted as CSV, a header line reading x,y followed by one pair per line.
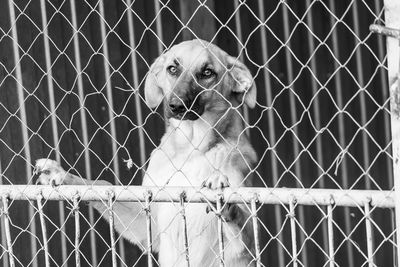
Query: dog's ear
x,y
153,93
244,84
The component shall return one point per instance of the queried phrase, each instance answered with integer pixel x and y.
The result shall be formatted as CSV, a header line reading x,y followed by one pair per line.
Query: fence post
x,y
185,234
148,197
392,19
7,231
394,80
395,121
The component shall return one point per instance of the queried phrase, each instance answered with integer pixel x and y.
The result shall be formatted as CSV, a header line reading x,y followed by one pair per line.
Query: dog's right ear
x,y
244,87
153,93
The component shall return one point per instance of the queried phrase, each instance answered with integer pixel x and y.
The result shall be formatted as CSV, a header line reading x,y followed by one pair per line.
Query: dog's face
x,y
196,77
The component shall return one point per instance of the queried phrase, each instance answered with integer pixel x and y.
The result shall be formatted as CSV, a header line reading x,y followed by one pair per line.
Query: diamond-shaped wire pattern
x,y
72,79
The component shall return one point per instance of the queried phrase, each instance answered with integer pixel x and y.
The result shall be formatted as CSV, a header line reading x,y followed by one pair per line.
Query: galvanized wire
x,y
340,167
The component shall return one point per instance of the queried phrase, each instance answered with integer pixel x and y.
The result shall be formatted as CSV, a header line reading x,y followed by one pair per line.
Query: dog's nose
x,y
178,105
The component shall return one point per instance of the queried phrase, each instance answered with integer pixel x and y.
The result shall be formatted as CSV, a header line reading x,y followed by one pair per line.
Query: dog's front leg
x,y
238,232
238,228
51,173
130,217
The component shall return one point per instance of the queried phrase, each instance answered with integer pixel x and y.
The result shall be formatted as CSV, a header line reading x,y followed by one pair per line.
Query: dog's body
x,y
201,88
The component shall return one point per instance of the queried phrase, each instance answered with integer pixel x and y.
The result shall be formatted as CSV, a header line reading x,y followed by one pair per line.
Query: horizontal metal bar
x,y
348,198
379,29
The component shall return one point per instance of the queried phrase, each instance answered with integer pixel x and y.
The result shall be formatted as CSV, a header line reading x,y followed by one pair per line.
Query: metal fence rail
x,y
366,200
324,127
279,196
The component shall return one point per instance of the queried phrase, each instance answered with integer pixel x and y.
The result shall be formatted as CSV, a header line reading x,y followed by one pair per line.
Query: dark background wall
x,y
321,118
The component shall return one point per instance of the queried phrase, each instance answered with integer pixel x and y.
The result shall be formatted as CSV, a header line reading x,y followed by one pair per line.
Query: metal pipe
x,y
271,130
76,200
4,255
185,234
53,116
387,31
341,128
368,230
331,238
275,196
220,230
44,230
7,230
385,95
24,127
148,198
2,226
108,85
111,223
85,135
292,217
396,159
159,31
392,29
293,117
363,108
396,156
239,35
134,67
316,113
256,231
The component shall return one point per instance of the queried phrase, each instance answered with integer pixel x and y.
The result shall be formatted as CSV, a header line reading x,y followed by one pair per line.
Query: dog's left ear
x,y
152,91
244,84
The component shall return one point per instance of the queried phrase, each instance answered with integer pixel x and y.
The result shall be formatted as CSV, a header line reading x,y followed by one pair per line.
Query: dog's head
x,y
196,77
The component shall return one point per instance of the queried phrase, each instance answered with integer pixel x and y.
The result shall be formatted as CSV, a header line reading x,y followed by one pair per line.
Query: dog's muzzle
x,y
184,108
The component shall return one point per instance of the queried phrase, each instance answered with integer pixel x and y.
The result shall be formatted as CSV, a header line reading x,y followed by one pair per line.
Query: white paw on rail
x,y
50,172
216,181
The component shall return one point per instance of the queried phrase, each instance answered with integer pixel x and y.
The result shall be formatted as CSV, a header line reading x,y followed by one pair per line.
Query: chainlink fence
x,y
71,89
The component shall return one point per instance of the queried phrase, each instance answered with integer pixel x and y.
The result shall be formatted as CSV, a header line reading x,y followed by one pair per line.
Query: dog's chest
x,y
185,169
201,233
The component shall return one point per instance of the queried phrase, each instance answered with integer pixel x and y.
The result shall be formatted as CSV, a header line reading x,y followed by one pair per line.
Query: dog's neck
x,y
202,134
188,134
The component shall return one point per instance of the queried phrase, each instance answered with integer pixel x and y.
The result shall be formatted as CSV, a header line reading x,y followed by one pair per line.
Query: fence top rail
x,y
283,196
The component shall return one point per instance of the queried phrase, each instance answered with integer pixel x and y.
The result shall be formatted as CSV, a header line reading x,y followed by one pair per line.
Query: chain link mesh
x,y
72,77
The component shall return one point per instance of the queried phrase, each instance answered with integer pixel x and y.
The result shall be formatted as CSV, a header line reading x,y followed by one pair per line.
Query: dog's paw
x,y
50,172
216,181
228,212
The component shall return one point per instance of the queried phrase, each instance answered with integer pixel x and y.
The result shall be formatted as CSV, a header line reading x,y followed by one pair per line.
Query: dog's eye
x,y
207,73
172,70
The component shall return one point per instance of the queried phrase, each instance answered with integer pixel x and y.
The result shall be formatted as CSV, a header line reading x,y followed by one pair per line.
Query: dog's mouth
x,y
187,115
192,113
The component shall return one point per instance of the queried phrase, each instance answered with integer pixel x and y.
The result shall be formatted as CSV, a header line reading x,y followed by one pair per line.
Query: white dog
x,y
202,90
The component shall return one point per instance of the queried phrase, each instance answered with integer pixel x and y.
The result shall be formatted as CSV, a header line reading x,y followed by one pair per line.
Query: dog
x,y
202,90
